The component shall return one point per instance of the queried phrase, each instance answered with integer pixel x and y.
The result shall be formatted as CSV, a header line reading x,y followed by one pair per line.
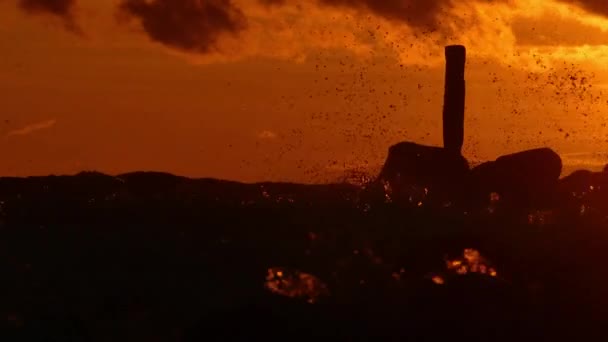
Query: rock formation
x,y
525,177
410,168
454,99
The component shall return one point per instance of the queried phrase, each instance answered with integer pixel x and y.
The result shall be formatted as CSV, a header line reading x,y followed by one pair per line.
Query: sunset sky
x,y
296,90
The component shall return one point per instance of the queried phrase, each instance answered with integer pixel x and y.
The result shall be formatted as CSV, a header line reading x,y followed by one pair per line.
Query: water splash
x,y
295,284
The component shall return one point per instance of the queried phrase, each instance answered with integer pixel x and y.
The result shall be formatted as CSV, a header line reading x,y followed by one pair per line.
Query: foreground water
x,y
163,258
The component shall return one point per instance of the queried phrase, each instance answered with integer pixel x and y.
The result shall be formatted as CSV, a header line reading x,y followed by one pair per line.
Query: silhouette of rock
x,y
581,182
432,175
410,166
577,181
525,177
454,98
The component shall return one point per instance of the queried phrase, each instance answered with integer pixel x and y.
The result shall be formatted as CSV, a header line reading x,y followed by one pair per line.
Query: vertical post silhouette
x,y
454,98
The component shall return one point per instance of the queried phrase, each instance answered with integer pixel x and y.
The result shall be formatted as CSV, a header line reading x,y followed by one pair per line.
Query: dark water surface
x,y
163,258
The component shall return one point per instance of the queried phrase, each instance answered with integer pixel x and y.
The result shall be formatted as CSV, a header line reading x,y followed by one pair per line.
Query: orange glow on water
x,y
295,284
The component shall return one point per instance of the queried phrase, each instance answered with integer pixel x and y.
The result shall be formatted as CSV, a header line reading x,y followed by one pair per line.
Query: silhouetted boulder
x,y
410,167
525,178
577,181
585,186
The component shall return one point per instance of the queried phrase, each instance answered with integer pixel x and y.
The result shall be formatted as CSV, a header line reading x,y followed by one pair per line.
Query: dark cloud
x,y
272,2
418,13
60,8
196,25
193,25
595,6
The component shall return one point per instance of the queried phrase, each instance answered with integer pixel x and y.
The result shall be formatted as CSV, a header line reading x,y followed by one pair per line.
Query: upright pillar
x,y
454,98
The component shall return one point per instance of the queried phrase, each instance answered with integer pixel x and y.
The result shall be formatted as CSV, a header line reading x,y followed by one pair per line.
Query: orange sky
x,y
289,90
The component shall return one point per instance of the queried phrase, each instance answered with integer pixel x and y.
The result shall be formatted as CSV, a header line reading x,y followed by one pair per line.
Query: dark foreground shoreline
x,y
154,257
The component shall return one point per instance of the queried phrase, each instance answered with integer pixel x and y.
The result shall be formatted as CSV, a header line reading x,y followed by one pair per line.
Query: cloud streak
x,y
32,128
267,135
555,30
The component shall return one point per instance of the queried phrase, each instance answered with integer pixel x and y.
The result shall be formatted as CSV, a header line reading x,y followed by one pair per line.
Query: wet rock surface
x,y
410,166
528,176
